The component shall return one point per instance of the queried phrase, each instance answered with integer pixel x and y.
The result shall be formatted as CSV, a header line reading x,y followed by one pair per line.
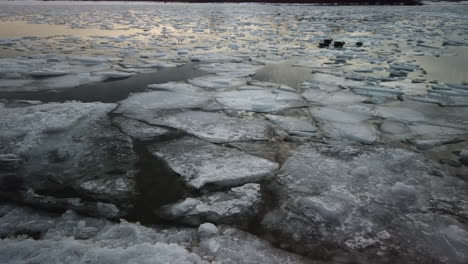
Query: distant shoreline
x,y
318,2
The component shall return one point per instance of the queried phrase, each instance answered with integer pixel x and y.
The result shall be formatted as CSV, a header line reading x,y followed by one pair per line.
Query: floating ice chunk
x,y
68,81
53,138
47,73
217,82
330,79
14,84
394,127
399,112
90,60
325,194
177,87
138,129
214,57
294,126
216,127
200,163
231,69
345,125
149,102
183,51
158,64
403,67
343,97
116,74
119,189
235,206
425,144
374,90
97,209
259,100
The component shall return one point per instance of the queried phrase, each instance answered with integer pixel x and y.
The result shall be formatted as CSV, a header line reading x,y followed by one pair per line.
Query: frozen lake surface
x,y
222,133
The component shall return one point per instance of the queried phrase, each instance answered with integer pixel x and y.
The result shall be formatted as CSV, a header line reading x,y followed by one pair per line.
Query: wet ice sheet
x,y
381,93
200,163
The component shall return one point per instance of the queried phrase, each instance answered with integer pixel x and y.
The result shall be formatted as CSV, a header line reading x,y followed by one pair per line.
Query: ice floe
x,y
200,163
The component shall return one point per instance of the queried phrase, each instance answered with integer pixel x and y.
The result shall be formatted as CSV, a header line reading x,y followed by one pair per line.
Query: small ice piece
x,y
138,129
294,126
216,127
148,102
259,100
177,88
217,82
207,229
200,163
235,206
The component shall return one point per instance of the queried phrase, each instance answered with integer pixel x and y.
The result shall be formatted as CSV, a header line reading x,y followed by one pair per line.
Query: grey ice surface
x,y
229,115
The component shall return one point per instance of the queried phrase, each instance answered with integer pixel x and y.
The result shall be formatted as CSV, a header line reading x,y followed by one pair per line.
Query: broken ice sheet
x,y
294,126
70,146
332,196
177,88
138,129
214,127
200,163
259,100
348,126
151,102
217,82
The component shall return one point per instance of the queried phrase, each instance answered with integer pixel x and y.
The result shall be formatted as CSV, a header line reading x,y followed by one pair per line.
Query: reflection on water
x,y
12,29
283,73
110,91
450,69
